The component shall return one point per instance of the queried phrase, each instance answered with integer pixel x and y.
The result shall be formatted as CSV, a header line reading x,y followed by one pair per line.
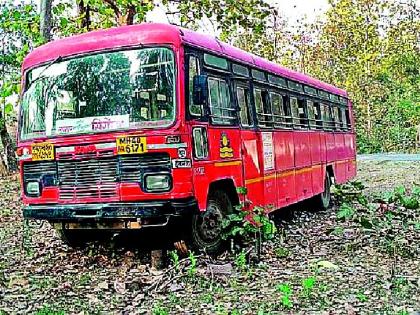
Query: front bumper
x,y
111,211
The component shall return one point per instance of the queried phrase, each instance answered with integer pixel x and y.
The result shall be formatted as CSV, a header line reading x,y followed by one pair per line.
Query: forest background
x,y
371,48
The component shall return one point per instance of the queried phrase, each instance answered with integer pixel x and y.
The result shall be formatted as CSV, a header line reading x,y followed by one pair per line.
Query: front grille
x,y
35,170
87,176
94,175
132,167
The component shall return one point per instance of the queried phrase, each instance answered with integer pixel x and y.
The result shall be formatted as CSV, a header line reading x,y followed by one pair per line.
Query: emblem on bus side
x,y
226,150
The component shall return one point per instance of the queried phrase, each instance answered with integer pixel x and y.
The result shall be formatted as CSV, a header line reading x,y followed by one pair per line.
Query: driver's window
x,y
193,70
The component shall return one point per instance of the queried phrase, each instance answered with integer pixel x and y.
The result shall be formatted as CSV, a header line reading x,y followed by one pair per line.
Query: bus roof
x,y
156,33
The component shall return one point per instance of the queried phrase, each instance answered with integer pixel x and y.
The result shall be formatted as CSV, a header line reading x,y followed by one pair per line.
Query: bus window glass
x,y
264,115
348,119
221,108
337,115
259,75
303,119
295,110
311,114
344,119
107,91
318,115
240,70
243,101
200,143
278,110
194,69
215,61
327,117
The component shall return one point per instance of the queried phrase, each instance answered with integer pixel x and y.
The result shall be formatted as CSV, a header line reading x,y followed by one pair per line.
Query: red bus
x,y
134,126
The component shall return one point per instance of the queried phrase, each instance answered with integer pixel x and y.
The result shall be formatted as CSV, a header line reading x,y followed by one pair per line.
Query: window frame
x,y
205,145
247,92
264,97
189,92
233,109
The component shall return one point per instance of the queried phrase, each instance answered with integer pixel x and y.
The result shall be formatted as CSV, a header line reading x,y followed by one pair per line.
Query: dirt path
x,y
367,262
391,157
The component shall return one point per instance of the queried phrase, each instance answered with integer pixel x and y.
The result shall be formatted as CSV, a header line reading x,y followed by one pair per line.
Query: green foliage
x,y
308,286
345,212
401,196
249,223
158,309
174,259
286,295
48,310
282,252
240,260
368,47
192,268
361,297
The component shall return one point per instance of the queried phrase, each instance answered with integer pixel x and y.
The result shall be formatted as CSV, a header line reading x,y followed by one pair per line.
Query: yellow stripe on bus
x,y
288,173
234,163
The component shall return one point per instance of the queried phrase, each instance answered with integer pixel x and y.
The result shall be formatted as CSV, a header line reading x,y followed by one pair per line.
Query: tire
x,y
206,229
323,200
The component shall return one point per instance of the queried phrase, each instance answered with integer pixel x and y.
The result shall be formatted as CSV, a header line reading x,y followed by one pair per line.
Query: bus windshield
x,y
101,92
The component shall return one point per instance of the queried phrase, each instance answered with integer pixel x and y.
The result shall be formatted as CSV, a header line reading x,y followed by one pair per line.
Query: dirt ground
x,y
360,259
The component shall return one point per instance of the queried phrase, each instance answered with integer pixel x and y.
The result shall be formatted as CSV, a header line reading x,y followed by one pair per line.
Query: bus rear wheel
x,y
323,200
207,231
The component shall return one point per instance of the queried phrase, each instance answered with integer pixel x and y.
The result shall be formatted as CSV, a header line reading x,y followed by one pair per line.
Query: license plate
x,y
131,145
42,151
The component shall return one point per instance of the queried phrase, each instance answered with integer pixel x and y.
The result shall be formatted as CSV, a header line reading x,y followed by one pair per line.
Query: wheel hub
x,y
210,223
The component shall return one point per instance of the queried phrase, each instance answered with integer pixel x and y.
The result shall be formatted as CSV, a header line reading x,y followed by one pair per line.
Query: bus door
x,y
252,168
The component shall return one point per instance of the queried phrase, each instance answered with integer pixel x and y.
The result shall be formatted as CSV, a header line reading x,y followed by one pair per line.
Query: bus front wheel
x,y
207,231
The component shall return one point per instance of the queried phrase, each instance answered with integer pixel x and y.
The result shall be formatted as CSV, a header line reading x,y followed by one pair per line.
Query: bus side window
x,y
278,109
318,115
343,119
263,108
295,111
303,119
327,117
337,117
200,143
243,102
348,119
287,112
311,114
222,109
193,70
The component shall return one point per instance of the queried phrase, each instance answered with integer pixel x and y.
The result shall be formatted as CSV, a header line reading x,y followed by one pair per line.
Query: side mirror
x,y
200,89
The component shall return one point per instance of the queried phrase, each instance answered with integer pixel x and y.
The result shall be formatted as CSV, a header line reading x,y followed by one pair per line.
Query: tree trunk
x,y
9,148
45,20
84,12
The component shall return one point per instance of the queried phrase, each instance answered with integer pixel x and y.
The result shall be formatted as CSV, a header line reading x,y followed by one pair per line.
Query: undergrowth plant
x,y
251,223
240,260
308,285
286,295
192,269
174,259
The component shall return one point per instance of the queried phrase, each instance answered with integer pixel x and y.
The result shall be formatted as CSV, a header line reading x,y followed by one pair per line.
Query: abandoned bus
x,y
134,126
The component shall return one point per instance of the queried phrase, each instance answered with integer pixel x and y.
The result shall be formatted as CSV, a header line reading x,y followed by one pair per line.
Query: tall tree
x,y
46,20
19,33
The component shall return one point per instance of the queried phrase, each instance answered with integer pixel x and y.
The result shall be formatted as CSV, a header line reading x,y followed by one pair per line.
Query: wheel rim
x,y
208,225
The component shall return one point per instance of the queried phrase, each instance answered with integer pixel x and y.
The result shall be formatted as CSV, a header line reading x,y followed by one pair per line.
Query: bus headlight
x,y
33,189
161,182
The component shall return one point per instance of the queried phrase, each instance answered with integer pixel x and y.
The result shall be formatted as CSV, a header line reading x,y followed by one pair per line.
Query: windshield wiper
x,y
40,76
